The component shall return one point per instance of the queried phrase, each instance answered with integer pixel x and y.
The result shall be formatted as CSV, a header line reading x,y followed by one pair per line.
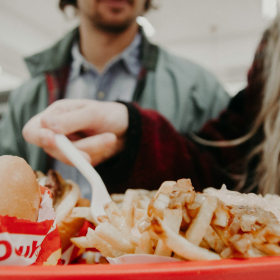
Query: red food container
x,y
24,242
229,269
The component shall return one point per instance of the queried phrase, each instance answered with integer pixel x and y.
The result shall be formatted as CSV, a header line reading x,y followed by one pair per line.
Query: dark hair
x,y
64,3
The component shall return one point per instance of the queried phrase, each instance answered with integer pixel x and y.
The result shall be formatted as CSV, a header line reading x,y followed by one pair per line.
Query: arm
x,y
155,152
11,140
26,101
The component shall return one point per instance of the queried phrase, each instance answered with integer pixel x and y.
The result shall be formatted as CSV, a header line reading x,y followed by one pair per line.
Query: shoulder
x,y
32,83
29,88
185,68
30,97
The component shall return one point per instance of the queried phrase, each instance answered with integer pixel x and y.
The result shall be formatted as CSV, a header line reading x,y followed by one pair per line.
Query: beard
x,y
111,27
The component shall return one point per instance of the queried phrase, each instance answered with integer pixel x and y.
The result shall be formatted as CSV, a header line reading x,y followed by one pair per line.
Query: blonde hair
x,y
268,170
267,174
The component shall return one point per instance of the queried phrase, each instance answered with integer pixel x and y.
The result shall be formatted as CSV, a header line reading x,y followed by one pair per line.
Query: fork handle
x,y
74,156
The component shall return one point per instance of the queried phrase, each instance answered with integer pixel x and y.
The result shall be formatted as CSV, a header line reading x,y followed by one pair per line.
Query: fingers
x,y
36,133
41,137
57,154
96,149
67,118
65,105
68,122
99,147
94,117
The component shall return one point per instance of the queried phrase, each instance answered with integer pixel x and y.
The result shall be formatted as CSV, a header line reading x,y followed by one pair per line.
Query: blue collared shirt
x,y
116,82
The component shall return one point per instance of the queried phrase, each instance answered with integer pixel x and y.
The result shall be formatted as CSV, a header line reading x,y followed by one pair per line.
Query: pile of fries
x,y
177,222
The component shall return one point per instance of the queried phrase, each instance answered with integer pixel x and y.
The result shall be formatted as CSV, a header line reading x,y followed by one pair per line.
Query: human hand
x,y
96,128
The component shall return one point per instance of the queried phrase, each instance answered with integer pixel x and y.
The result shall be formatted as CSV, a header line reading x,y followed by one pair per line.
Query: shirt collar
x,y
130,57
78,63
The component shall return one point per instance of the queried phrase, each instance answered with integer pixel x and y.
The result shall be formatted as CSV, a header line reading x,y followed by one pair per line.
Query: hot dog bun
x,y
19,189
66,195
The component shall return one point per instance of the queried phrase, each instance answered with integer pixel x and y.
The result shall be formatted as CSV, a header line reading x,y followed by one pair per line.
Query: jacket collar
x,y
59,55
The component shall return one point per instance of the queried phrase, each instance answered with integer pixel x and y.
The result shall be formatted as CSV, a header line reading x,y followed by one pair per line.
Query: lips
x,y
117,4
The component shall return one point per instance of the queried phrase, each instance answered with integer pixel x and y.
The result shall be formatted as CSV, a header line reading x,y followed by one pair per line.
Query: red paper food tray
x,y
257,268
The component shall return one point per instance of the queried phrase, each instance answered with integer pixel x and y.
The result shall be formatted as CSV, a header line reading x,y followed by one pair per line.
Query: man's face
x,y
112,16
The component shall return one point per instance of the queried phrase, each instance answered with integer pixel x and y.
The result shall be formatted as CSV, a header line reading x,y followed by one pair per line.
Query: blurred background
x,y
220,35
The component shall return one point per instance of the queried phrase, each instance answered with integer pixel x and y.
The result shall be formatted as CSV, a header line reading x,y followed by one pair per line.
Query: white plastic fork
x,y
100,195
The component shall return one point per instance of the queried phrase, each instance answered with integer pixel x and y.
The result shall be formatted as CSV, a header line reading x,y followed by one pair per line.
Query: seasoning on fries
x,y
175,221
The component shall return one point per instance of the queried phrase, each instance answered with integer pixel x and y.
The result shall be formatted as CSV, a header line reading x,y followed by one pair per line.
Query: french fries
x,y
101,245
201,222
115,238
145,245
81,242
181,245
172,218
175,221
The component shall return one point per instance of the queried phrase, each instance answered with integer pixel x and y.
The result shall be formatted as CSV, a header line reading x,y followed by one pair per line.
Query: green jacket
x,y
186,94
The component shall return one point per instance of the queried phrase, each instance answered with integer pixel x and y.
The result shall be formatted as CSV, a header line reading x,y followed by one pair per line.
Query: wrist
x,y
116,171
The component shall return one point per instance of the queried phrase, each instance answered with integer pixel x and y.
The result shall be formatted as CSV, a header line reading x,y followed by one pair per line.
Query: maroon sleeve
x,y
164,154
156,152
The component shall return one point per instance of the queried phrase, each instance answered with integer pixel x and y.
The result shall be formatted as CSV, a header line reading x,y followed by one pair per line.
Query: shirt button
x,y
101,95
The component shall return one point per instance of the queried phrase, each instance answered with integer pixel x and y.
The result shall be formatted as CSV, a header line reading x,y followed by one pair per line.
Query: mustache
x,y
131,2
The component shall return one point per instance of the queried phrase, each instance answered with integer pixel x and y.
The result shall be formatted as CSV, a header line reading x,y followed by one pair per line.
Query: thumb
x,y
86,156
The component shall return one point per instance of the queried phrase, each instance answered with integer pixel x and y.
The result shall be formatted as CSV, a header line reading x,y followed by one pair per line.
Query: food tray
x,y
230,269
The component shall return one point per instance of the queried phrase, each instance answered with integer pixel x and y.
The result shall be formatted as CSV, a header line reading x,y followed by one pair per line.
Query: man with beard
x,y
108,58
